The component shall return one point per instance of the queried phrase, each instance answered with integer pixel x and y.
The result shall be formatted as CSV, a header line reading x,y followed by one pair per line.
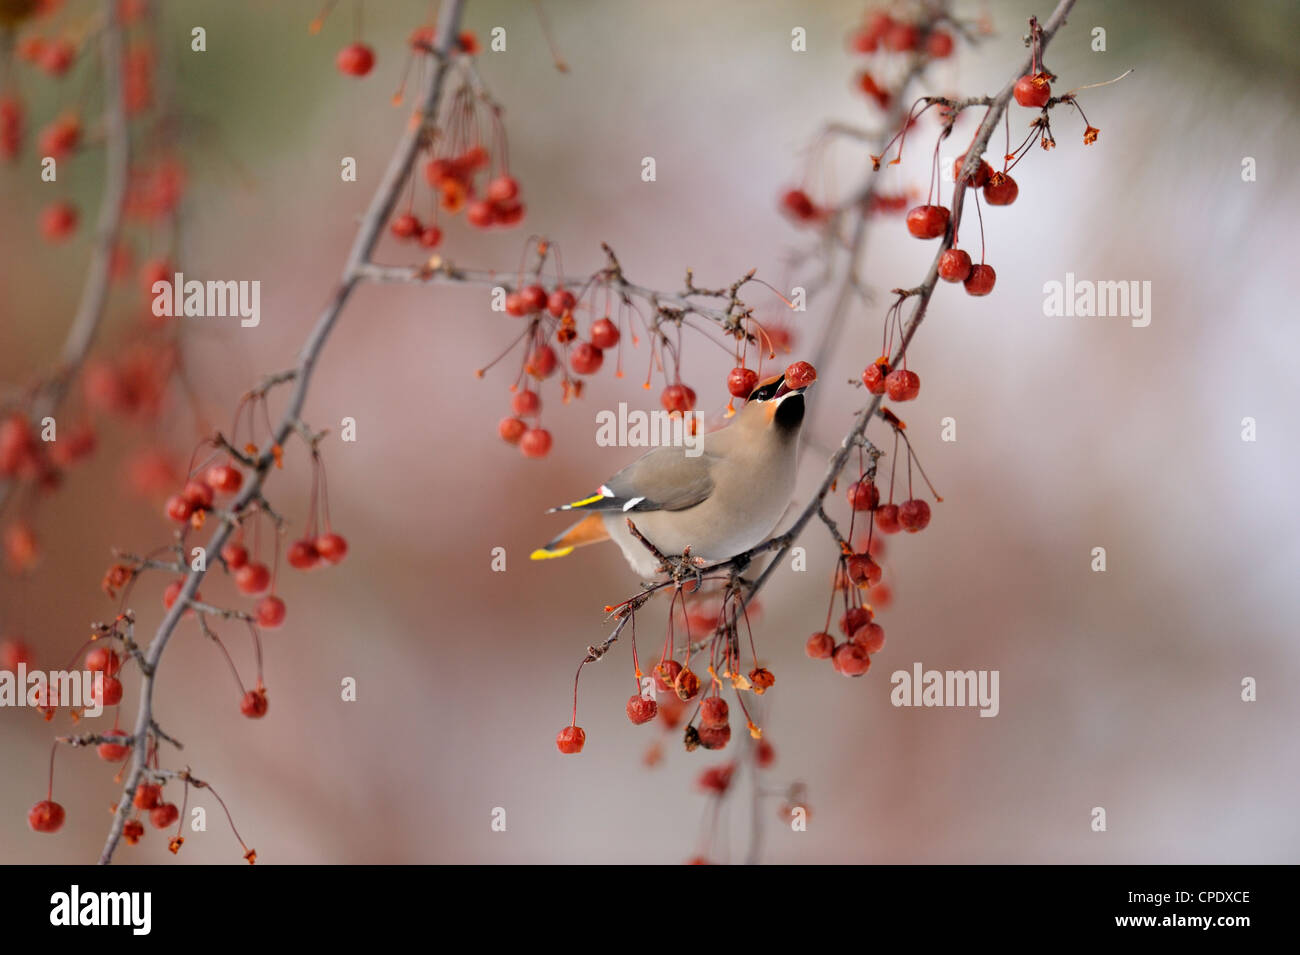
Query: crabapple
x,y
270,611
541,363
981,280
253,578
332,547
103,658
715,737
902,384
302,554
46,816
586,358
225,478
914,515
253,705
954,265
927,222
641,710
526,403
800,374
147,796
570,740
870,637
864,495
604,333
679,398
113,751
887,519
850,659
873,376
235,555
666,675
535,443
511,430
714,712
820,646
560,301
1001,190
355,59
1032,91
165,815
741,381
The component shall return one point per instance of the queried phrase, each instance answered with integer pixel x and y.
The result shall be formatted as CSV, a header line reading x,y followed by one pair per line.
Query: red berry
x,y
405,226
332,547
511,430
302,554
509,213
430,236
253,705
954,265
541,363
103,658
235,555
870,637
480,214
225,478
800,374
502,189
253,578
887,519
112,694
714,712
147,796
864,495
586,358
1000,190
715,737
902,384
678,398
716,779
179,509
61,137
133,831
515,305
604,333
198,493
560,301
45,816
535,297
820,646
914,515
850,659
270,611
57,56
686,685
116,750
355,59
853,618
173,591
58,220
526,403
901,37
666,675
641,710
164,815
741,381
873,376
927,222
1033,91
798,205
978,178
535,443
570,740
939,44
863,570
764,754
981,279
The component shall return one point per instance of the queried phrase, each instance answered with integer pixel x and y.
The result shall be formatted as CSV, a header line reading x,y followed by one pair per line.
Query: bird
x,y
721,502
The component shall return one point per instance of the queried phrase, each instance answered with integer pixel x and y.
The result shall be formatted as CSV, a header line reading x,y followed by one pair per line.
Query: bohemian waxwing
x,y
720,502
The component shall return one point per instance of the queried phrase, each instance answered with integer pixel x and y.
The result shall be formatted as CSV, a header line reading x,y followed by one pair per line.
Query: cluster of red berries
x,y
884,32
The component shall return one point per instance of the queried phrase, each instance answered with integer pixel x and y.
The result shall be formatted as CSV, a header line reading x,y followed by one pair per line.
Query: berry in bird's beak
x,y
798,377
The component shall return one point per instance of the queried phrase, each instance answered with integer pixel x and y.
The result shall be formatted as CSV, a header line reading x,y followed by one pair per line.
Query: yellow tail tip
x,y
543,554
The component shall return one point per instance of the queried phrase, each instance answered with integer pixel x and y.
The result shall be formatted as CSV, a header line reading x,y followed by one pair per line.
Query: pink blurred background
x,y
1119,690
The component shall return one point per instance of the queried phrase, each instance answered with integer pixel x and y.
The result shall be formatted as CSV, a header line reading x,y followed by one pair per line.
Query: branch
x,y
94,293
381,207
922,295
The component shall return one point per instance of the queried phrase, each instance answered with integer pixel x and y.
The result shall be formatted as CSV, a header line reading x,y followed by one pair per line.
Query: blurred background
x,y
1119,689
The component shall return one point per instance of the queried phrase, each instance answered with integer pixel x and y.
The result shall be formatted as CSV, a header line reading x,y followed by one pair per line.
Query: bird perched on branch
x,y
719,503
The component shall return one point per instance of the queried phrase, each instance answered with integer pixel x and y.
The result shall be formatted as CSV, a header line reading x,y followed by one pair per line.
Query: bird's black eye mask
x,y
766,392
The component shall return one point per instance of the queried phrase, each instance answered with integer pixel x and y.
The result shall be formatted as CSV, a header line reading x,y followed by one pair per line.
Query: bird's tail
x,y
589,530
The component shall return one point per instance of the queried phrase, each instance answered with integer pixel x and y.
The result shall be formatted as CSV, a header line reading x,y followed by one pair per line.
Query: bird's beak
x,y
784,390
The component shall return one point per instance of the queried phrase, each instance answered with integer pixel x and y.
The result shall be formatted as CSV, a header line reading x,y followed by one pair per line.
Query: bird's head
x,y
774,405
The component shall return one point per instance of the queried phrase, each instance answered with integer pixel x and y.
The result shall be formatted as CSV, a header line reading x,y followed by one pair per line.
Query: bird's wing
x,y
665,479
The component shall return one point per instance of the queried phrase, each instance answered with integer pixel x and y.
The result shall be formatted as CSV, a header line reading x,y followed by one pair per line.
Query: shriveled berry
x,y
954,265
981,280
46,816
761,679
863,570
870,637
714,712
535,443
850,659
873,376
666,674
270,611
133,831
586,358
165,815
715,737
914,515
1000,190
853,618
570,740
820,646
147,796
604,333
741,381
927,222
332,547
254,704
641,710
800,374
686,685
716,779
903,384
